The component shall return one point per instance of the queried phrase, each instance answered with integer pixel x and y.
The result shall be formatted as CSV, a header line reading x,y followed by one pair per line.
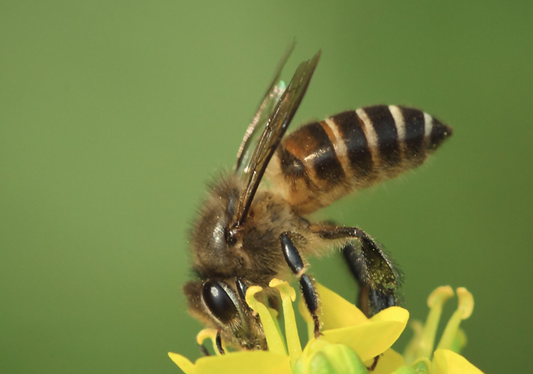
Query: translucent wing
x,y
275,128
267,105
252,132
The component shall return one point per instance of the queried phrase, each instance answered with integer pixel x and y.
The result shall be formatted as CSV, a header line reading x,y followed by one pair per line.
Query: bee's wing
x,y
259,121
264,111
275,127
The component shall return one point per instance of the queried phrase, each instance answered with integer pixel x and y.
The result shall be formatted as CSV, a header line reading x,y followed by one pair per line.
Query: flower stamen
x,y
288,296
436,301
464,311
272,335
209,334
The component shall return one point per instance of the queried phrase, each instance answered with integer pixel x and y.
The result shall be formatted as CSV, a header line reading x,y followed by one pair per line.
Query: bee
x,y
248,232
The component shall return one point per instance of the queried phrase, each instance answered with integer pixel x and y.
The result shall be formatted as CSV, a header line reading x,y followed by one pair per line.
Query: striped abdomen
x,y
323,161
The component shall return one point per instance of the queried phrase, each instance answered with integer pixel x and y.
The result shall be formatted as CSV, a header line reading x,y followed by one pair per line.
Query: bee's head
x,y
220,305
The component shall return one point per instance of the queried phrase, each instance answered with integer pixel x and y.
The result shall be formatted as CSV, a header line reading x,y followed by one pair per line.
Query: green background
x,y
114,114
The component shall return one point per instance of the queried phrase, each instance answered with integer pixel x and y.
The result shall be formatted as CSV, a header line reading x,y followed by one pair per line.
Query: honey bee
x,y
248,233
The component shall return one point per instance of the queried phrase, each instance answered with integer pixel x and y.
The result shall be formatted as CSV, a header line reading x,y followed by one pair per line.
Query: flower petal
x,y
322,357
449,362
260,362
373,337
388,362
183,363
336,311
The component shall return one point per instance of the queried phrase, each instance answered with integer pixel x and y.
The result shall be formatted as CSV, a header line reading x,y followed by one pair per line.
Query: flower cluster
x,y
350,341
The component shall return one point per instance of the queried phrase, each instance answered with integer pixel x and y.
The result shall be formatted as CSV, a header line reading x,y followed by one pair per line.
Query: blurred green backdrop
x,y
114,114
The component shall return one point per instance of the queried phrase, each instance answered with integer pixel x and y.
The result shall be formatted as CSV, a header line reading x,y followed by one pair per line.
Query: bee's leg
x,y
378,279
204,351
218,341
241,290
294,260
372,367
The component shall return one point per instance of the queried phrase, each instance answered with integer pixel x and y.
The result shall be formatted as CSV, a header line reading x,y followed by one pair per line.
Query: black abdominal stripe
x,y
323,161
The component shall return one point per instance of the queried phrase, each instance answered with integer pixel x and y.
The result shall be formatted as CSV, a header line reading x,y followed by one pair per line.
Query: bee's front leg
x,y
294,260
204,350
218,341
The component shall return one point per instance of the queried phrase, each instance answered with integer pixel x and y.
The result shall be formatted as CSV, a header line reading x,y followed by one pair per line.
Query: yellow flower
x,y
446,358
344,323
349,343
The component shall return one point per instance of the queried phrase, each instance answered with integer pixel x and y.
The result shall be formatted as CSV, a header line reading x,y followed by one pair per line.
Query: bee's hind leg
x,y
294,260
374,296
378,279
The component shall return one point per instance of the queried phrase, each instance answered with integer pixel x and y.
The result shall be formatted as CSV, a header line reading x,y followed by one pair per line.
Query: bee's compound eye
x,y
218,301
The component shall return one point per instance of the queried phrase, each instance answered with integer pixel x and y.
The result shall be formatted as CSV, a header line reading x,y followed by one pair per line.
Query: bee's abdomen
x,y
323,161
